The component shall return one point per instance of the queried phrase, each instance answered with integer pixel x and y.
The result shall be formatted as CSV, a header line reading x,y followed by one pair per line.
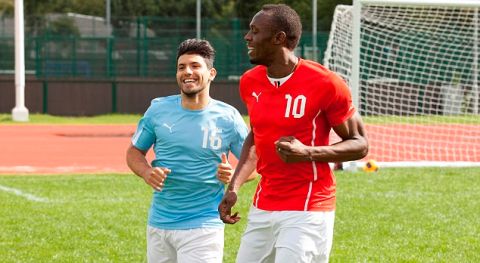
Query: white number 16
x,y
212,136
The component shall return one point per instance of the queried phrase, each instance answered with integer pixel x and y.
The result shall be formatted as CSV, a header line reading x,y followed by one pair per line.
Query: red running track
x,y
62,149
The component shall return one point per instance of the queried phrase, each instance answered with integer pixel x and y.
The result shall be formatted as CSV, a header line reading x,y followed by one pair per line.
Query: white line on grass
x,y
23,194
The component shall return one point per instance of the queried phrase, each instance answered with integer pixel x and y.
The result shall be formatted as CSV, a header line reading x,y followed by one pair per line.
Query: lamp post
x,y
199,19
19,112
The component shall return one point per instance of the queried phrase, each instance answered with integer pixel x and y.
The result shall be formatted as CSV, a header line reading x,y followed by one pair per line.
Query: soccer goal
x,y
413,70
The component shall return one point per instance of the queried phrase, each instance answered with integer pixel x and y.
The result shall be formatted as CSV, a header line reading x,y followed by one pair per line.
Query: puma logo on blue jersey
x,y
169,127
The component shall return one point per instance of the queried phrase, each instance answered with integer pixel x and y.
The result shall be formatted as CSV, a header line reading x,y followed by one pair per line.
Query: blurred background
x,y
94,57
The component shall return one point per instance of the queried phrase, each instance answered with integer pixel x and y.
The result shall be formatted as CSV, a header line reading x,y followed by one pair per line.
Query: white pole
x,y
355,77
20,112
314,29
199,19
460,3
476,90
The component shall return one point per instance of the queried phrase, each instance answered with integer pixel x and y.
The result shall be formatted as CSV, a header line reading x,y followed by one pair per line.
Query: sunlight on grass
x,y
393,215
423,119
134,118
99,119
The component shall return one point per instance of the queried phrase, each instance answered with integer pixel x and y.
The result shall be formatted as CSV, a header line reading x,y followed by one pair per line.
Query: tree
x,y
325,10
218,9
6,7
133,8
64,26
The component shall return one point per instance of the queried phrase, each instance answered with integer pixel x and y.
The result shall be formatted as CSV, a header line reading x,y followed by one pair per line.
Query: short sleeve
x,y
242,89
241,132
144,136
340,107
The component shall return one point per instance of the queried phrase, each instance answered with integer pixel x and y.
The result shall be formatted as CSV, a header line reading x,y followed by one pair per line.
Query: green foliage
x,y
6,7
303,7
393,215
7,55
64,26
135,8
213,9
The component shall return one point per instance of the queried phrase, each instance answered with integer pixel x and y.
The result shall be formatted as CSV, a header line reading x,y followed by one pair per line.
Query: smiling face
x,y
260,40
193,74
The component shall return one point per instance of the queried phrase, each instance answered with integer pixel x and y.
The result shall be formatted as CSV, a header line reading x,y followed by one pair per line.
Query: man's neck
x,y
283,67
197,102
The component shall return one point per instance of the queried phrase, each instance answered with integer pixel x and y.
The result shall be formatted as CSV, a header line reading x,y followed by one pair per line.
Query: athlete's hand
x,y
224,170
291,150
155,177
225,208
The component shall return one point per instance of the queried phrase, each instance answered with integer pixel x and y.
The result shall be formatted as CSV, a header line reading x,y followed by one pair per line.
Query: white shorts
x,y
202,245
286,236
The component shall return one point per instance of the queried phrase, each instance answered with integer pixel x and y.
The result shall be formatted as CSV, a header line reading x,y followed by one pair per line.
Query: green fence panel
x,y
136,47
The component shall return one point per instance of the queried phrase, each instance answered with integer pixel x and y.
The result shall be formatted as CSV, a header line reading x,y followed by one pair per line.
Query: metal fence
x,y
70,45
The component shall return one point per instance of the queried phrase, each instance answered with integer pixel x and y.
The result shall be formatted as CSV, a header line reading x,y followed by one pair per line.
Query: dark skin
x,y
269,47
353,145
246,165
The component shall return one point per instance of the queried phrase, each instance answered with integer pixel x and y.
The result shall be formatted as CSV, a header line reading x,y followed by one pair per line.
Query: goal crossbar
x,y
446,3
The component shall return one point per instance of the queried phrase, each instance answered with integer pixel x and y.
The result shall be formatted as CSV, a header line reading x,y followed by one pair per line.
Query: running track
x,y
62,149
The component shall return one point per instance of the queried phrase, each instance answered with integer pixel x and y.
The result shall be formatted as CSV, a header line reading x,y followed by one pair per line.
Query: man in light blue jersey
x,y
191,134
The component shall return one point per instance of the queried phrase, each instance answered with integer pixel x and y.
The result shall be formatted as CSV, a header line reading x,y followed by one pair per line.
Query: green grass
x,y
408,215
424,119
87,218
133,119
394,215
51,120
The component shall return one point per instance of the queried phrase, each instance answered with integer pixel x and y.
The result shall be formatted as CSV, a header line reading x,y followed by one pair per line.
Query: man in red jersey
x,y
293,104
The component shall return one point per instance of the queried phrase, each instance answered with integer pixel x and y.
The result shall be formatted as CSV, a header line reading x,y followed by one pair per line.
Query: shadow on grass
x,y
5,119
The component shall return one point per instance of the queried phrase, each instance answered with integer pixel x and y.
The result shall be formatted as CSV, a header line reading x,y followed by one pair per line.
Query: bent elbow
x,y
364,153
365,148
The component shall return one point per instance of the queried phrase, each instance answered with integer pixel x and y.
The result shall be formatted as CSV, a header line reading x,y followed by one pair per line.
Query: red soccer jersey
x,y
307,106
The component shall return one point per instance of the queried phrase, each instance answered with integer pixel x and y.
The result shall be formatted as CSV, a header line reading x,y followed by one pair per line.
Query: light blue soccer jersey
x,y
190,143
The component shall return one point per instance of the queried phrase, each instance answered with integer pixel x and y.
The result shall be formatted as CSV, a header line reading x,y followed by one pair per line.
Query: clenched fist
x,y
155,177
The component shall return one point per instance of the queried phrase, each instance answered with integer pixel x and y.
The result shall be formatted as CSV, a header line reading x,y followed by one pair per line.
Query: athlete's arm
x,y
353,146
245,168
137,162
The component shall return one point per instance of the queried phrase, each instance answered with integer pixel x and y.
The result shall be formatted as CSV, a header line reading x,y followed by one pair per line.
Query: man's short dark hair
x,y
199,47
285,19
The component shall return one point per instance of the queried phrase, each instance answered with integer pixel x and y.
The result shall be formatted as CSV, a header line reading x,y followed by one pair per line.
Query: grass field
x,y
394,215
51,119
472,119
133,119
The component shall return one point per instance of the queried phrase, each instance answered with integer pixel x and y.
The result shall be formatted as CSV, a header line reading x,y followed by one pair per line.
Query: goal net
x,y
413,70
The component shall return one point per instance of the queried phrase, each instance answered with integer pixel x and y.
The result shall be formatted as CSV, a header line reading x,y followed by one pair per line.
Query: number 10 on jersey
x,y
295,107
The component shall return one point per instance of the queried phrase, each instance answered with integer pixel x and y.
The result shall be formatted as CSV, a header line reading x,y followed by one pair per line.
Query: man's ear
x,y
280,38
213,74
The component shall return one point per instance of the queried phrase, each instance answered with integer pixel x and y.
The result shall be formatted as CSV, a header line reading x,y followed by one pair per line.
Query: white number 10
x,y
298,109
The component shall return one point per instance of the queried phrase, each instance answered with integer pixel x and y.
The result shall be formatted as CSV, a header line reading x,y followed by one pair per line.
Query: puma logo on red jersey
x,y
255,95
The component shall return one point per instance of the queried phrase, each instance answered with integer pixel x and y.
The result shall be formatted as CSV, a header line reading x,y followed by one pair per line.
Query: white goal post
x,y
412,67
